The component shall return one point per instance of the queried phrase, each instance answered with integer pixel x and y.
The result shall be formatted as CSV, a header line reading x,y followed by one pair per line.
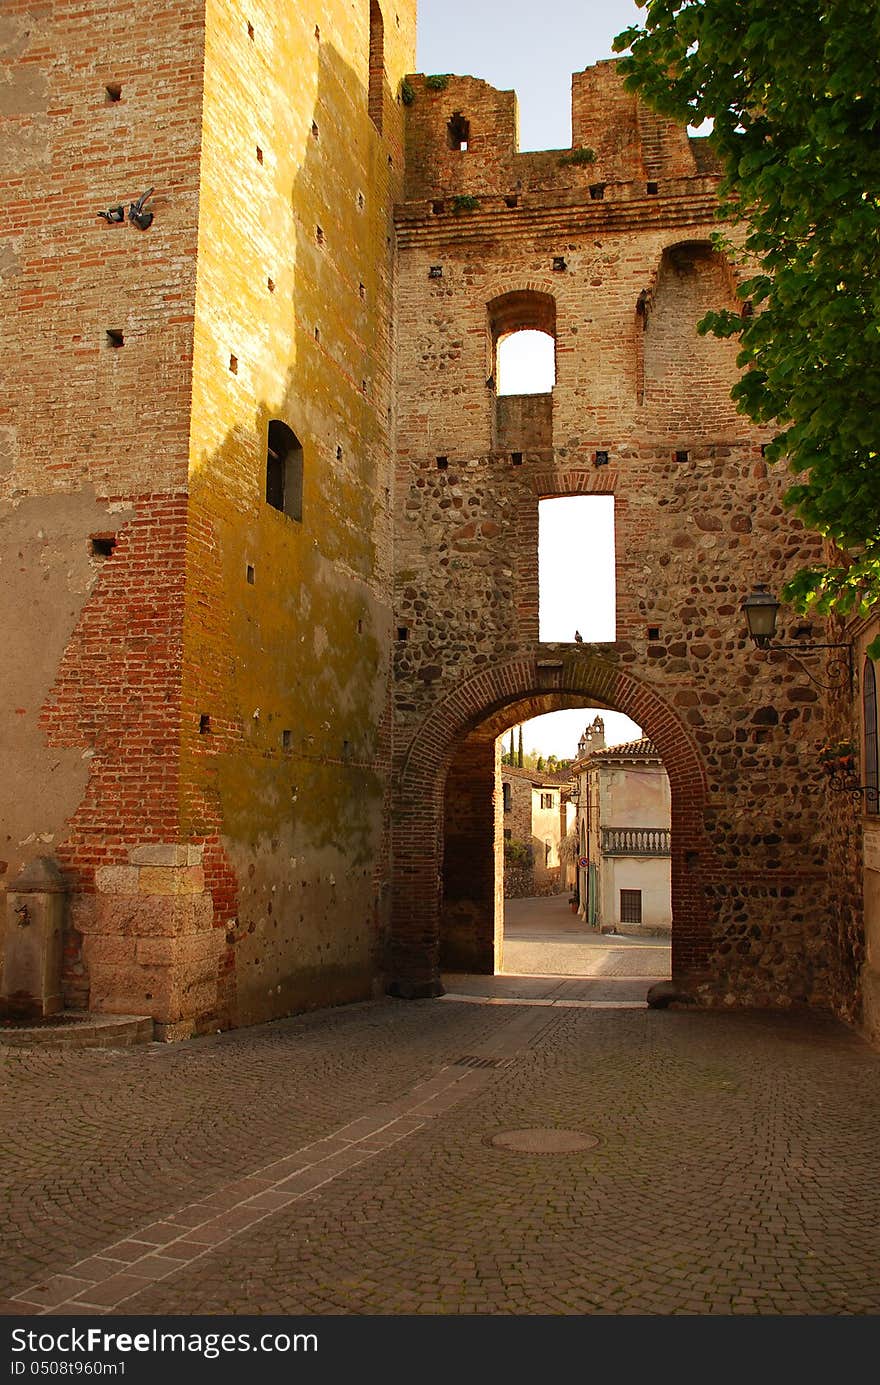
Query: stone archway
x,y
476,711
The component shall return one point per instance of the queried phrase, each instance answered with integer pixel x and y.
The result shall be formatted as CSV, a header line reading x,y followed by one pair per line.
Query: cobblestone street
x,y
341,1163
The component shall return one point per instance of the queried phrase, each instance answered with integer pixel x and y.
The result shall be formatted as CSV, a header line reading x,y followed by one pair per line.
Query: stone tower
x,y
196,492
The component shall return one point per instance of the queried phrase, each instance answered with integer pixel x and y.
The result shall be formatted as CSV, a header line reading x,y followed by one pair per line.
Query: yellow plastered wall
x,y
287,633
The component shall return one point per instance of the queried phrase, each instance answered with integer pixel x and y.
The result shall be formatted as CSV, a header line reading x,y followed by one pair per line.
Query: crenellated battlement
x,y
462,141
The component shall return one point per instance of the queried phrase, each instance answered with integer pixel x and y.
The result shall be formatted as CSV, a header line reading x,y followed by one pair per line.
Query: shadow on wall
x,y
287,633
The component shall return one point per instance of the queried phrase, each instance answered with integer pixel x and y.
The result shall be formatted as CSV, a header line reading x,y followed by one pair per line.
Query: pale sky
x,y
534,49
531,48
558,733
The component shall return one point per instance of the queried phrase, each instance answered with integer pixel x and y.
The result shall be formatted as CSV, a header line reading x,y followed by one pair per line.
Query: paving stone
x,y
733,1173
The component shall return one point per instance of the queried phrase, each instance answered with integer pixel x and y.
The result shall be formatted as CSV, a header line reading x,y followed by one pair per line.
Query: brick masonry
x,y
294,701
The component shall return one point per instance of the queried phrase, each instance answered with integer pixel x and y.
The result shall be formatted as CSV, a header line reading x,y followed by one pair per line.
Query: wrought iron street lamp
x,y
761,609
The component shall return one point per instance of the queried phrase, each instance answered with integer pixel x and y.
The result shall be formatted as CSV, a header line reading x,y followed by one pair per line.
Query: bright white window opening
x,y
576,592
526,363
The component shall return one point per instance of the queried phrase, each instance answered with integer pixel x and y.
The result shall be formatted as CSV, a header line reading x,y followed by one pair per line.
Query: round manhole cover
x,y
544,1141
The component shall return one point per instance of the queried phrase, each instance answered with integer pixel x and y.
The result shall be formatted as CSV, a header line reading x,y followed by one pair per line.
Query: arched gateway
x,y
457,742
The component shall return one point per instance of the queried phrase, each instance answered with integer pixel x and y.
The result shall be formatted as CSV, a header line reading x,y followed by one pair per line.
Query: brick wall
x,y
287,630
102,102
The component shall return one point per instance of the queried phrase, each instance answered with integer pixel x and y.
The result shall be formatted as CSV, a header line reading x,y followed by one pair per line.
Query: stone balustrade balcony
x,y
636,841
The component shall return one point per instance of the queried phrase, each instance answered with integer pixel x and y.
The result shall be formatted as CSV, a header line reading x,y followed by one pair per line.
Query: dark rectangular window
x,y
284,470
630,906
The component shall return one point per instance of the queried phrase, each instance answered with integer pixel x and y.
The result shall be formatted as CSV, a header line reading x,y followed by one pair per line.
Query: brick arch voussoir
x,y
476,699
502,287
547,485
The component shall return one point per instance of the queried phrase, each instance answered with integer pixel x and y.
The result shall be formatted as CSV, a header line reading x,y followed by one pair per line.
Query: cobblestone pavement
x,y
734,1170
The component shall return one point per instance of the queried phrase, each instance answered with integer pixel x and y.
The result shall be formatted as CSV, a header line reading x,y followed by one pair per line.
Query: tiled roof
x,y
629,750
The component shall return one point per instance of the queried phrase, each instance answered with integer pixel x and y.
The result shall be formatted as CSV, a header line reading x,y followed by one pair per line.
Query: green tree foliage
x,y
518,854
794,93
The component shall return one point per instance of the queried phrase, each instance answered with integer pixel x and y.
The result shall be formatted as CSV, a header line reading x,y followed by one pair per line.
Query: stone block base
x,y
151,947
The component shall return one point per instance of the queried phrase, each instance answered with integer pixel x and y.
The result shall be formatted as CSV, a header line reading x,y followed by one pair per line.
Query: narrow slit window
x,y
576,585
284,470
458,132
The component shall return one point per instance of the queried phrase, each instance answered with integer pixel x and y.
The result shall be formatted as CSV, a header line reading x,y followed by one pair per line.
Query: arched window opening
x,y
685,377
505,793
377,65
458,132
284,470
522,342
525,363
576,581
869,714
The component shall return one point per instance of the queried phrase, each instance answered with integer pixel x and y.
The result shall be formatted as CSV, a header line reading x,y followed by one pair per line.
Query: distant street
x,y
551,957
542,937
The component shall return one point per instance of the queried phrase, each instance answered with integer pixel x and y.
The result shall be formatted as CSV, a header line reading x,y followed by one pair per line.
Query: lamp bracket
x,y
842,675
